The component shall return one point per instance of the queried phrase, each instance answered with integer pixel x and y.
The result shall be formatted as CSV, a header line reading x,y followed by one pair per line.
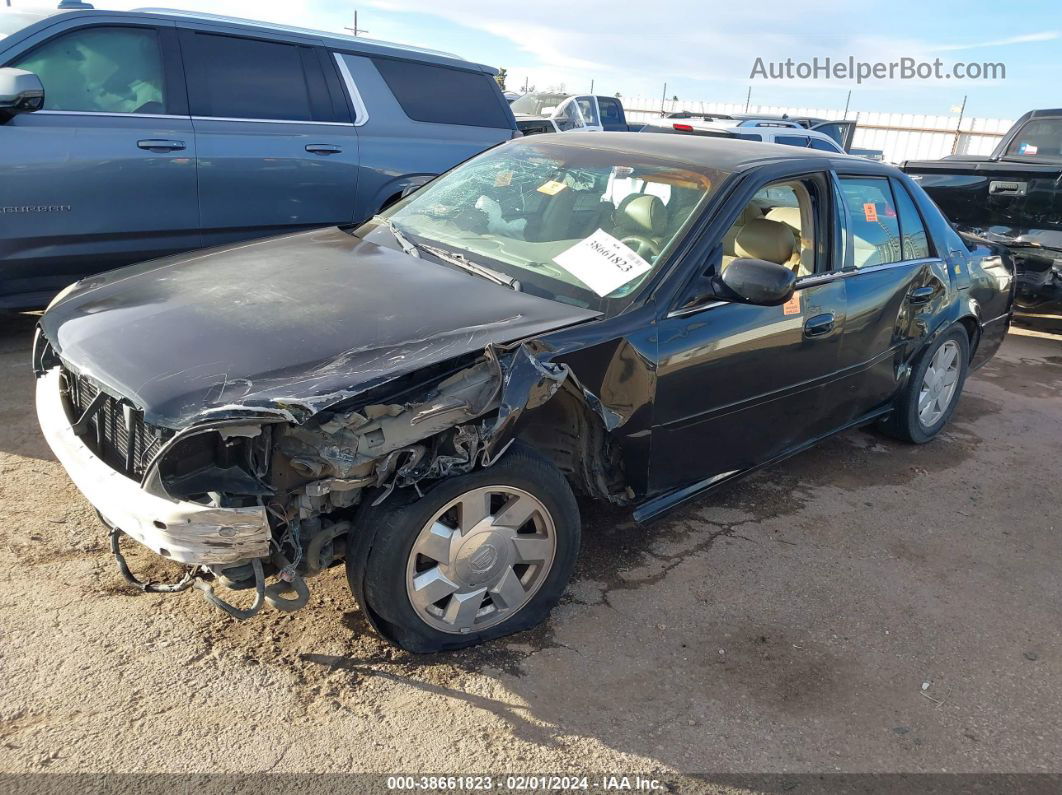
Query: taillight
x,y
683,127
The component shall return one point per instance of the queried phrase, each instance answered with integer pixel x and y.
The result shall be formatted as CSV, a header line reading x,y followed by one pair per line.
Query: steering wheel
x,y
643,246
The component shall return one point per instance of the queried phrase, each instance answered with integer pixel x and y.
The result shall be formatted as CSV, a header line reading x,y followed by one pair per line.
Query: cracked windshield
x,y
581,225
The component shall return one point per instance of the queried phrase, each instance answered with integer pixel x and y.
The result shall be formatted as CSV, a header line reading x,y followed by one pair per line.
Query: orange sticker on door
x,y
870,211
792,306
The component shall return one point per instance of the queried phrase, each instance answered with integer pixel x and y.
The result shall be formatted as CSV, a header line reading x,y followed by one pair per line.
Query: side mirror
x,y
756,281
20,92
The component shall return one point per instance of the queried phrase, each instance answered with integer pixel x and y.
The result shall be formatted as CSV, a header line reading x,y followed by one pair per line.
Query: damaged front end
x,y
261,502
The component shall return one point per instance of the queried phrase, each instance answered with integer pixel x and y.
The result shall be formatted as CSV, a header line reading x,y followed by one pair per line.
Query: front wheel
x,y
933,389
479,556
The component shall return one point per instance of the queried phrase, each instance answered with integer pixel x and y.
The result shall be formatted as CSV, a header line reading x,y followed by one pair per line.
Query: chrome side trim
x,y
692,310
1005,315
101,113
274,121
361,113
816,279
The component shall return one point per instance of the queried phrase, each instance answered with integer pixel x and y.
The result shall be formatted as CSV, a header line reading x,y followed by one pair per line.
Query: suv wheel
x,y
933,389
479,556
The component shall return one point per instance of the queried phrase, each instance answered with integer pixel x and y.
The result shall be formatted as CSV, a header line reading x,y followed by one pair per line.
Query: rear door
x,y
276,151
895,284
105,174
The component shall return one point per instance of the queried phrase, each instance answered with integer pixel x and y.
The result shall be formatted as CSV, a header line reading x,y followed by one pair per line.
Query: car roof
x,y
726,154
339,41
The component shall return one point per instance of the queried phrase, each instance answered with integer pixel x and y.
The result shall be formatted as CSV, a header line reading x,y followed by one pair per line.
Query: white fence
x,y
901,136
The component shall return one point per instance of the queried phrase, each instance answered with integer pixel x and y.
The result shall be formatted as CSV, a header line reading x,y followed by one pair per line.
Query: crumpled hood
x,y
292,324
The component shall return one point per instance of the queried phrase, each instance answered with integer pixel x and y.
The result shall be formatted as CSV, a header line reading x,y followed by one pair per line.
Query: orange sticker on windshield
x,y
870,211
552,187
504,179
792,306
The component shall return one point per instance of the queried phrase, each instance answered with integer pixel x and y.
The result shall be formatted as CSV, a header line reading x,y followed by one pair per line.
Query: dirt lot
x,y
867,606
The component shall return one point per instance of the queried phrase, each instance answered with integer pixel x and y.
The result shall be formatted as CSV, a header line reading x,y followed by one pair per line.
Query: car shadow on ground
x,y
19,434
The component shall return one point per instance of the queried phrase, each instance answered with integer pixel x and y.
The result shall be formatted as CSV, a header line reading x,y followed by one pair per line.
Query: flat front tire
x,y
933,389
477,557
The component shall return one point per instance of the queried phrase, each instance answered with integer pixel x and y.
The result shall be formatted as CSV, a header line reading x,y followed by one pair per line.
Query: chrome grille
x,y
116,432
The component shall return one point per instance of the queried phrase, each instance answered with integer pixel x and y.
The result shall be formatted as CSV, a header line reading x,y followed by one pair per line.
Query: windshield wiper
x,y
463,262
408,246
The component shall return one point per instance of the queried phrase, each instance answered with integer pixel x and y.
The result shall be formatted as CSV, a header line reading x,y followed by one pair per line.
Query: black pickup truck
x,y
1012,197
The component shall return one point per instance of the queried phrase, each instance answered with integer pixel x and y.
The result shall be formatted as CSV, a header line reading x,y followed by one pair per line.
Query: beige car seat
x,y
803,261
768,240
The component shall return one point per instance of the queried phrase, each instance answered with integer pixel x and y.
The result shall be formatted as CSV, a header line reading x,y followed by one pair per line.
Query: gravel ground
x,y
866,606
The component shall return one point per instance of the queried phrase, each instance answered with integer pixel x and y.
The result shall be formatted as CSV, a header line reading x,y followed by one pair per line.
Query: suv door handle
x,y
160,145
920,295
819,325
323,149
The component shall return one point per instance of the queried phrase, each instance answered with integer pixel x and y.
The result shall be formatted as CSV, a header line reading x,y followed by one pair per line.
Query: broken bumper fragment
x,y
186,532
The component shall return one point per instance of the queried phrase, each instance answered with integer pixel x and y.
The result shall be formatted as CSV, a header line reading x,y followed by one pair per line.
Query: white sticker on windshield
x,y
602,263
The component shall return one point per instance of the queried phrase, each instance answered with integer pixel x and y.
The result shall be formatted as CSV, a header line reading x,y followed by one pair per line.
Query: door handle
x,y
323,149
920,295
999,187
160,145
819,324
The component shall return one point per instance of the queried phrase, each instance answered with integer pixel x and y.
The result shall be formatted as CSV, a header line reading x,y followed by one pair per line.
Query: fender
x,y
395,189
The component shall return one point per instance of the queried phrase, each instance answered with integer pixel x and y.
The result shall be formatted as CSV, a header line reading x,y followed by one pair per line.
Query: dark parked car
x,y
163,131
1012,197
633,317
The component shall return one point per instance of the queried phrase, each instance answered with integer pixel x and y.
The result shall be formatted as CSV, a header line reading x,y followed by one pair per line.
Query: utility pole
x,y
591,85
663,99
354,30
748,99
958,127
847,102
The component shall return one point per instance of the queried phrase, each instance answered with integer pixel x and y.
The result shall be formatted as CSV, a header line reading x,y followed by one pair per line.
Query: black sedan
x,y
635,318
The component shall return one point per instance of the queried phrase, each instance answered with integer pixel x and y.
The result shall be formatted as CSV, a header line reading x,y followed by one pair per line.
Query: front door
x,y
275,154
738,385
105,174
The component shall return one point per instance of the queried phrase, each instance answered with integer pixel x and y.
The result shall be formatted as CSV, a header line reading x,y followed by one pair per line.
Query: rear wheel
x,y
933,389
480,556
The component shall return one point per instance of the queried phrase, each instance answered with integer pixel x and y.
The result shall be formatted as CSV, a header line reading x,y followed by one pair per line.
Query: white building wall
x,y
901,136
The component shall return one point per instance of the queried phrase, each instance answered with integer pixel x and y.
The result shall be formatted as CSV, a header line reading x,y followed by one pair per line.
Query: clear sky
x,y
706,50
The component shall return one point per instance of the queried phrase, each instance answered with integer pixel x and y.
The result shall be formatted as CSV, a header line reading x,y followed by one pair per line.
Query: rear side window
x,y
230,77
823,146
748,136
1038,138
611,111
444,96
912,230
791,140
875,227
100,70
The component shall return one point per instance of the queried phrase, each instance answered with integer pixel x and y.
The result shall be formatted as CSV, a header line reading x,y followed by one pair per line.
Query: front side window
x,y
100,70
568,116
588,109
583,225
778,225
875,228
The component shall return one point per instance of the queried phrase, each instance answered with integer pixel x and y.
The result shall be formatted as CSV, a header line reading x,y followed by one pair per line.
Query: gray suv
x,y
162,131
